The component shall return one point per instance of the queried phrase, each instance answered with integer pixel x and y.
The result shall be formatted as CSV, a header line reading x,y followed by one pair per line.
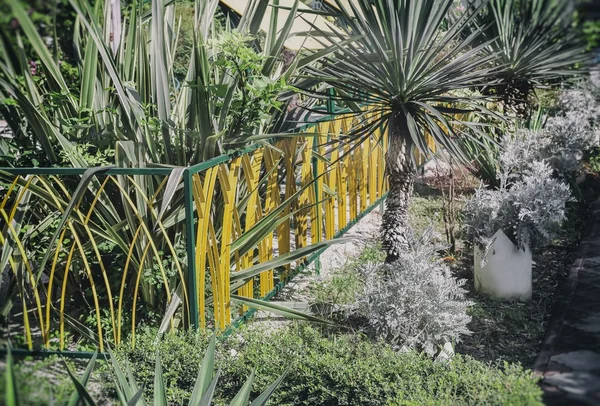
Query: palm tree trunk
x,y
400,174
516,96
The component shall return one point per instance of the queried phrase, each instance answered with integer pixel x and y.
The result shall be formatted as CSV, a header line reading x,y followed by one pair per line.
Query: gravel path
x,y
296,294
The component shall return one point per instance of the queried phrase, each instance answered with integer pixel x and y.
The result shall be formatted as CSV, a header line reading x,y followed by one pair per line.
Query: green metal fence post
x,y
331,101
192,285
316,228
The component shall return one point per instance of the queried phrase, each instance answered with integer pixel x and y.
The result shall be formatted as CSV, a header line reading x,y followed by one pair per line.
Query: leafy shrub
x,y
202,393
347,369
181,353
520,150
129,392
561,143
530,212
414,302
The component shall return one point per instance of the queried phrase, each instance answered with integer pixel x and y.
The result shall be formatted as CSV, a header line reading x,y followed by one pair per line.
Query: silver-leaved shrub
x,y
535,167
573,130
520,150
539,205
562,141
530,211
414,302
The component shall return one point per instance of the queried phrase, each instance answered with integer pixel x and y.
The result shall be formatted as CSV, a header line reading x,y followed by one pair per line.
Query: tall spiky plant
x,y
129,90
534,43
407,66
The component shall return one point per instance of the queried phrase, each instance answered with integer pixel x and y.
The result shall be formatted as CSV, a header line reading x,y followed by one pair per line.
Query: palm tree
x,y
410,67
533,42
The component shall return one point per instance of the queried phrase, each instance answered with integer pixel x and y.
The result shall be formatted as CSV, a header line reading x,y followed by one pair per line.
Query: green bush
x,y
347,369
334,369
181,354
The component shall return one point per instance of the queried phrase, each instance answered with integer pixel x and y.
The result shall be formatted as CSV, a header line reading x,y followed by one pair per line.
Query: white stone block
x,y
507,270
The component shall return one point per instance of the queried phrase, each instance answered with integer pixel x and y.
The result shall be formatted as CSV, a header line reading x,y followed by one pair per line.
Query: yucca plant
x,y
406,65
533,42
129,90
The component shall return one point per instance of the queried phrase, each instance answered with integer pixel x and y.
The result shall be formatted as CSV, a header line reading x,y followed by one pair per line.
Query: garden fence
x,y
95,252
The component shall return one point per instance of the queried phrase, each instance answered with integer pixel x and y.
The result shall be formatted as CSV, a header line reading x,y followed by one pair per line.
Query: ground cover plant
x,y
326,372
323,368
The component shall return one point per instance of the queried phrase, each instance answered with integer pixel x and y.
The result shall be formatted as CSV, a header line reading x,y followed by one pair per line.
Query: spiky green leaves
x,y
407,64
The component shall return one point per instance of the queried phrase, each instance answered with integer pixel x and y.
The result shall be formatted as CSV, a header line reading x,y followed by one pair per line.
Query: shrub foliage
x,y
346,369
415,301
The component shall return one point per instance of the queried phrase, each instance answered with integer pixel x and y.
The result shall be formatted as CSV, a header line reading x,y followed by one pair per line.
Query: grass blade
x,y
242,397
160,396
210,391
12,395
136,398
84,395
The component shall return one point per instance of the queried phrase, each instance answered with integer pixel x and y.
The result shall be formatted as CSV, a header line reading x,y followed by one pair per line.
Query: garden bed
x,y
504,330
501,330
513,331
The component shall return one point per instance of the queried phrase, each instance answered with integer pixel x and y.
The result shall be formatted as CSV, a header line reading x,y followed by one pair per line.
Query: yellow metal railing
x,y
335,190
137,239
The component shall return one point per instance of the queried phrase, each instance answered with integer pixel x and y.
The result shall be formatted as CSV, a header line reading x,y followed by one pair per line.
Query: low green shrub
x,y
181,354
327,369
348,369
130,392
15,392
